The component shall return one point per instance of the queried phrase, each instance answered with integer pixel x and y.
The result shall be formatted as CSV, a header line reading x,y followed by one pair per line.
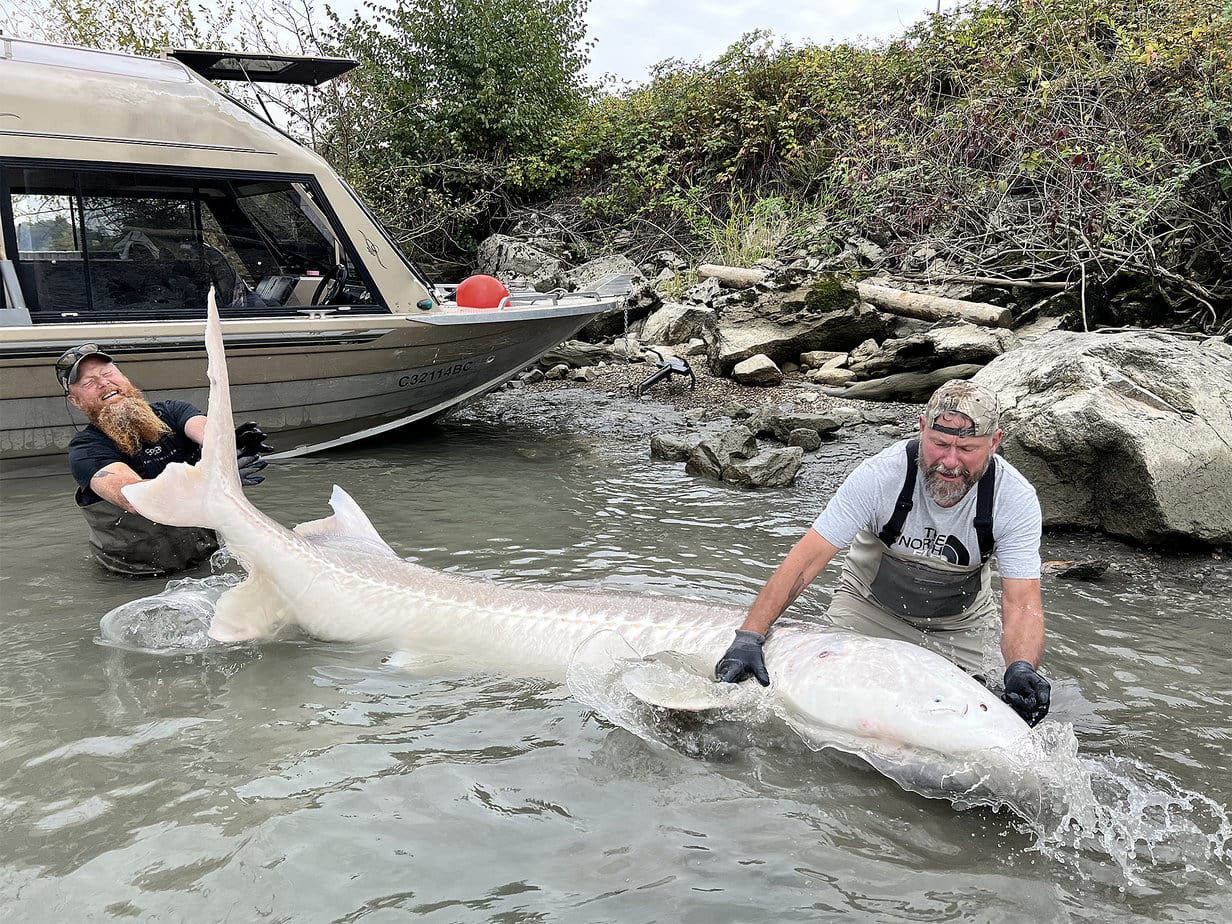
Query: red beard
x,y
130,421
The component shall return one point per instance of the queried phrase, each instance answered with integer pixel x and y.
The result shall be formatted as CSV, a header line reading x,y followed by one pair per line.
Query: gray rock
x,y
518,263
695,347
1130,433
782,424
946,344
866,250
673,447
817,359
676,324
704,292
640,301
771,468
807,439
736,411
711,454
744,333
757,370
836,377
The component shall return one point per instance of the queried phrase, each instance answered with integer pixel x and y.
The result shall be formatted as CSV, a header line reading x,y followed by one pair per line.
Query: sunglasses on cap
x,y
70,359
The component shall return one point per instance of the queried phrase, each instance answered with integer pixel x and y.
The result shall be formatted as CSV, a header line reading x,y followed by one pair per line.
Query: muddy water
x,y
145,777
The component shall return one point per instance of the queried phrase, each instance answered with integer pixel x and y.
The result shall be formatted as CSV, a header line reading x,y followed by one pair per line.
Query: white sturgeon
x,y
908,711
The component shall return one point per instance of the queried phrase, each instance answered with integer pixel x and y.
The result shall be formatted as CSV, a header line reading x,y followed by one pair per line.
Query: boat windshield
x,y
110,245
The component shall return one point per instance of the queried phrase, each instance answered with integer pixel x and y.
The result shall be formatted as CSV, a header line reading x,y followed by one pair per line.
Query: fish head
x,y
889,692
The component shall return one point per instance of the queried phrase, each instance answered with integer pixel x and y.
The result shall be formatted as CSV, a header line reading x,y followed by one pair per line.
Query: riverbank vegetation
x,y
1077,150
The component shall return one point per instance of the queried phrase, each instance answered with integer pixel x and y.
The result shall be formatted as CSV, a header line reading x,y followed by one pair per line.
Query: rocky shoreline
x,y
1128,432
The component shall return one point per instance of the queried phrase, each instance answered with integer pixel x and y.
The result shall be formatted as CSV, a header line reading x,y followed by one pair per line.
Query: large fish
x,y
908,711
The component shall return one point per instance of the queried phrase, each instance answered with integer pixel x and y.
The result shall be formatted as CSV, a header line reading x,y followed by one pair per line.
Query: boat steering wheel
x,y
331,285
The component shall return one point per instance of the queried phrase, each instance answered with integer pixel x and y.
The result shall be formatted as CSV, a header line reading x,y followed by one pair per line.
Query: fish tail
x,y
206,494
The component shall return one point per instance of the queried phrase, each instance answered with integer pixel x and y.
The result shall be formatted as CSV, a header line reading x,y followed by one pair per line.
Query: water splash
x,y
1121,811
1107,818
171,622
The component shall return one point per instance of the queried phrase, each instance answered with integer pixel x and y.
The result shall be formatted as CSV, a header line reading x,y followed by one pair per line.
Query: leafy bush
x,y
1079,141
453,108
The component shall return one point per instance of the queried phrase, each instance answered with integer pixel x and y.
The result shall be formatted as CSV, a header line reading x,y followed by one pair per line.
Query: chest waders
x,y
127,543
926,592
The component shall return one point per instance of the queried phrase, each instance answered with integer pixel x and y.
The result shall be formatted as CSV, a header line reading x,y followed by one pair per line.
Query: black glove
x,y
249,466
743,658
250,440
1026,692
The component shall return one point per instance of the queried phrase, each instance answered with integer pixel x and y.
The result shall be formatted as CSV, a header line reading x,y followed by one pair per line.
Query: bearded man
x,y
130,440
923,519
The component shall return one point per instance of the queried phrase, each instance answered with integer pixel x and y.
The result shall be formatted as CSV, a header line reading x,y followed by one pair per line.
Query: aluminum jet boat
x,y
130,186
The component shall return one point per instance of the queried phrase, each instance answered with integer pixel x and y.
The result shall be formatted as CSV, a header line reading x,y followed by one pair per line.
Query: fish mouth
x,y
941,709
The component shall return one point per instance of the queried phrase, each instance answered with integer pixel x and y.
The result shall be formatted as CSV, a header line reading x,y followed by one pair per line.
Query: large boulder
x,y
640,300
675,324
949,343
819,314
521,264
1130,433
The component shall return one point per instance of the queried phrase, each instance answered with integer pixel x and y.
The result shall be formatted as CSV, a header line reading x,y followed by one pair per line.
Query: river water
x,y
146,776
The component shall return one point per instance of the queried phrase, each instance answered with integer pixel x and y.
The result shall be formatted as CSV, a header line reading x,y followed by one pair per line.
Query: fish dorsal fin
x,y
348,527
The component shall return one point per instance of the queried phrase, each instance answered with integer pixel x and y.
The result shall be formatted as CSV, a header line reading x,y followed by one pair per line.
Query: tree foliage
x,y
1080,141
455,108
143,27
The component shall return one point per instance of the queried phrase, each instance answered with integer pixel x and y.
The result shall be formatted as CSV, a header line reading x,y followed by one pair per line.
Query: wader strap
x,y
894,526
983,504
983,510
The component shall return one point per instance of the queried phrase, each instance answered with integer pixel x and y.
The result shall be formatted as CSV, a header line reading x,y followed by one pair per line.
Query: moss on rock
x,y
829,293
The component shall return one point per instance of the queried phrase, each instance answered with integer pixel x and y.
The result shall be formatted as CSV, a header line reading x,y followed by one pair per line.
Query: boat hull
x,y
310,382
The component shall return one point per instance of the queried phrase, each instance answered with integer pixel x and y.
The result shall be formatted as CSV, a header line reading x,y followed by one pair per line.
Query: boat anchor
x,y
667,367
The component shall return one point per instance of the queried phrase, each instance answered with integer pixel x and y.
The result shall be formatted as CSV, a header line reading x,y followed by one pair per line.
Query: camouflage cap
x,y
958,396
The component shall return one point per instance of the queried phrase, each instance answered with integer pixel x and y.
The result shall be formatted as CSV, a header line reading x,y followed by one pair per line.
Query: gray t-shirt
x,y
866,499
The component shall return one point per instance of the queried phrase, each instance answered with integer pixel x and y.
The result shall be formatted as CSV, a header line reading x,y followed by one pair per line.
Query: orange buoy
x,y
481,292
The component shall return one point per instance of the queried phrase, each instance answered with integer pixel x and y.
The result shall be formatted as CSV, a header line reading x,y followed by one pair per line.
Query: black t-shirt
x,y
91,449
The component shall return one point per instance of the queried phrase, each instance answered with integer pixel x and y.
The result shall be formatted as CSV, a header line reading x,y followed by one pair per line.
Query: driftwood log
x,y
895,301
904,386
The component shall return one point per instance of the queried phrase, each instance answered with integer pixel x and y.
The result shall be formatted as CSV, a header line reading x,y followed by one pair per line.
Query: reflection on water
x,y
146,773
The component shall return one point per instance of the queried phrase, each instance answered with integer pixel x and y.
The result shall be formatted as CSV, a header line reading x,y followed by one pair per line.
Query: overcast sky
x,y
633,35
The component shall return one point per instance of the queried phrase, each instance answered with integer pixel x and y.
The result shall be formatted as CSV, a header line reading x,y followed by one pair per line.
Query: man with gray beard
x,y
920,542
130,440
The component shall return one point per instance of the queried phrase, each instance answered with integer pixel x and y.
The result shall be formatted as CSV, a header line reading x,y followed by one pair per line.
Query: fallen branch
x,y
933,307
895,301
904,386
997,281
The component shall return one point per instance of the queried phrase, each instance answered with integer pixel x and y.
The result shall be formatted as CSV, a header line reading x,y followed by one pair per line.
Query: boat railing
x,y
616,286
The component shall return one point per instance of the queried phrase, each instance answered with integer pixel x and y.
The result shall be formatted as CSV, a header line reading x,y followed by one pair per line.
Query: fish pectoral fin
x,y
679,681
254,609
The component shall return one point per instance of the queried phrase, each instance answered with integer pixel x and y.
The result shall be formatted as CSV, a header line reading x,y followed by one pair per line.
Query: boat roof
x,y
300,70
